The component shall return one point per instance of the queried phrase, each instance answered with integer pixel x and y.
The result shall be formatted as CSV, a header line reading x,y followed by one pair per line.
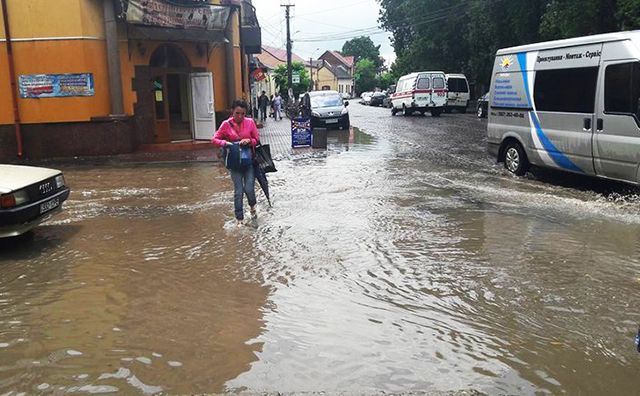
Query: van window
x,y
457,85
438,83
566,90
622,89
423,83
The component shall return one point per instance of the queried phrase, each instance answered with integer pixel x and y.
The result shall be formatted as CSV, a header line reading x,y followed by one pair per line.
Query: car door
x,y
617,132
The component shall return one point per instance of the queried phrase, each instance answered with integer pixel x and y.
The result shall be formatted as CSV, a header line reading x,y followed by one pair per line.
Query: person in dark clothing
x,y
263,103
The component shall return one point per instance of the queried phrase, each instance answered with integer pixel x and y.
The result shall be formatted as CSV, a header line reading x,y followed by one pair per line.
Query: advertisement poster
x,y
300,132
55,85
164,14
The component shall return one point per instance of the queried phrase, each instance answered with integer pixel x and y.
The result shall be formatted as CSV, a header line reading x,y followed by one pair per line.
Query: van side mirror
x,y
346,103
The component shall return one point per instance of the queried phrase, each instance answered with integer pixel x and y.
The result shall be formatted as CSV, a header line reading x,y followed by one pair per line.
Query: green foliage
x,y
365,75
363,48
383,80
463,35
280,78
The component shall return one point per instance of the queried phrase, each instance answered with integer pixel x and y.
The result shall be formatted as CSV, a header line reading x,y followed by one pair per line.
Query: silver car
x,y
328,110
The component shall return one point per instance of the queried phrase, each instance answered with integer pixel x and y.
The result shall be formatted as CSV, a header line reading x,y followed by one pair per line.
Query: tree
x,y
363,48
383,80
365,75
280,78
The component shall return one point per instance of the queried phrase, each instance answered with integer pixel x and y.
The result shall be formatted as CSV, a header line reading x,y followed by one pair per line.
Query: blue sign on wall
x,y
55,85
300,132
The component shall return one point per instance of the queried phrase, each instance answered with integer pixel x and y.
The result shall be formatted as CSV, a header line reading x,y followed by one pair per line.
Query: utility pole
x,y
287,6
311,71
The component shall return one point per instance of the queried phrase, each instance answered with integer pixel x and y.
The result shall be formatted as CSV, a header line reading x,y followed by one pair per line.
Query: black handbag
x,y
263,158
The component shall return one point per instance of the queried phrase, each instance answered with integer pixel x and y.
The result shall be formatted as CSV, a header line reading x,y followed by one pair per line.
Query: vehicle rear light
x,y
7,201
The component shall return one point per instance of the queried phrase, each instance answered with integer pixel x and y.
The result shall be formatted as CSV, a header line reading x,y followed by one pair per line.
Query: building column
x,y
113,58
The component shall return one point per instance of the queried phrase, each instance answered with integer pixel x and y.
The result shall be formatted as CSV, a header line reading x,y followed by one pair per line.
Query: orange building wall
x,y
6,106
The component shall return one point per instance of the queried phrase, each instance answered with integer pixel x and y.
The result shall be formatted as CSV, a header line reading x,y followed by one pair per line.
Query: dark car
x,y
377,99
483,106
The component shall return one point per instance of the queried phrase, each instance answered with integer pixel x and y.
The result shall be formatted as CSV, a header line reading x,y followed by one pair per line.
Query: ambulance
x,y
420,92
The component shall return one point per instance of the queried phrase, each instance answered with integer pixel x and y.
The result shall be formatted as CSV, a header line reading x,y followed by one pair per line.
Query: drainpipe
x,y
113,57
12,73
231,63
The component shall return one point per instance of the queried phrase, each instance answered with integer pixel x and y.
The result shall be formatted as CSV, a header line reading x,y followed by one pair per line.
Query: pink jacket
x,y
229,131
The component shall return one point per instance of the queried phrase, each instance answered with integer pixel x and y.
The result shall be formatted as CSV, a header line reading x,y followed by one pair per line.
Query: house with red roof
x,y
336,73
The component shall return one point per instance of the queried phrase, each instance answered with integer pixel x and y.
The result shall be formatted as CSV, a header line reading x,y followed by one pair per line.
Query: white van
x,y
421,91
458,95
569,104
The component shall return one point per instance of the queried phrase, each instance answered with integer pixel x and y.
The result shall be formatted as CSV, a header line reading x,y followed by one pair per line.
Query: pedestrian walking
x,y
277,105
271,113
263,103
240,130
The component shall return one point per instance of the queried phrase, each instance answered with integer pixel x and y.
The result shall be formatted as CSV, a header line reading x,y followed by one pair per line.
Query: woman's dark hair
x,y
239,103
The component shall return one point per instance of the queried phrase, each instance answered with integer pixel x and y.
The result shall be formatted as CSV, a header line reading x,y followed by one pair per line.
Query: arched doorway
x,y
171,71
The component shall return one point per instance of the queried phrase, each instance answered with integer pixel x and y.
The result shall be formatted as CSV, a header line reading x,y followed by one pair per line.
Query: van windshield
x,y
321,101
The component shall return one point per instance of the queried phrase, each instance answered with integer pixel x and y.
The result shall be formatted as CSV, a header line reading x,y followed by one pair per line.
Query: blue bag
x,y
237,157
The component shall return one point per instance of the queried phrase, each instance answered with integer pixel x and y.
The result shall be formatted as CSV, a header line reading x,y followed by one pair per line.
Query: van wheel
x,y
515,160
435,112
405,112
393,111
447,110
480,112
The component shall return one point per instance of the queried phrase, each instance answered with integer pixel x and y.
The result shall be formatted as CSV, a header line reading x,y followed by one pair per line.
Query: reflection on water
x,y
391,262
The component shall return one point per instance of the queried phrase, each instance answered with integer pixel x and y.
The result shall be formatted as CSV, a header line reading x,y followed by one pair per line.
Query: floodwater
x,y
402,259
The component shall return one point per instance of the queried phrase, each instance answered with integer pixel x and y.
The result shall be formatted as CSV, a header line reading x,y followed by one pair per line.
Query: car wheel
x,y
435,112
515,160
447,110
393,111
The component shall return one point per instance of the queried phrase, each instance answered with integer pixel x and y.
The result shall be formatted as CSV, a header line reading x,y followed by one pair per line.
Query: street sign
x,y
295,78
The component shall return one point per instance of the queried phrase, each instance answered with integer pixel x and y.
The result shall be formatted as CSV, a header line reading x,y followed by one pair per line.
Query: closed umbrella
x,y
262,180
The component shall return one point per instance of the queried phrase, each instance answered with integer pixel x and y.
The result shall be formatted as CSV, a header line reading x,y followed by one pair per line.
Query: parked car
x,y
390,91
365,98
377,98
345,95
421,91
483,106
29,195
328,110
458,93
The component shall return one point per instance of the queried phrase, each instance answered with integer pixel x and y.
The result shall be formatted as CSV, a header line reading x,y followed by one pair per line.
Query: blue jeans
x,y
243,183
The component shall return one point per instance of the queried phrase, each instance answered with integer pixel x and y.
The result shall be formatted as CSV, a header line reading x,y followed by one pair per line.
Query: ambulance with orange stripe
x,y
420,92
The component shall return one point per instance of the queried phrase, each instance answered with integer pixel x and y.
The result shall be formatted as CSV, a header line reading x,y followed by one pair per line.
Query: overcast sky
x,y
320,20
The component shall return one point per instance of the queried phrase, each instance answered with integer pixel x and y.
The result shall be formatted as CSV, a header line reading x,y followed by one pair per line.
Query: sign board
x,y
55,85
300,132
259,75
295,78
165,14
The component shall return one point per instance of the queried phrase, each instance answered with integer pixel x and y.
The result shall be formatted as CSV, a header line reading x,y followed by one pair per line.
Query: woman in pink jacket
x,y
239,128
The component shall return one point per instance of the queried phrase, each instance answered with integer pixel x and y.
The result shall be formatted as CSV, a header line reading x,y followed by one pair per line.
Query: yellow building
x,y
95,77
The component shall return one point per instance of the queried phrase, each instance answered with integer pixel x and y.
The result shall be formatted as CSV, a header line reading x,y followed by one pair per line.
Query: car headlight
x,y
315,114
59,181
344,111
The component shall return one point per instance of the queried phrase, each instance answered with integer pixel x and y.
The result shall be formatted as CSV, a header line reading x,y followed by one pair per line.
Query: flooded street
x,y
402,259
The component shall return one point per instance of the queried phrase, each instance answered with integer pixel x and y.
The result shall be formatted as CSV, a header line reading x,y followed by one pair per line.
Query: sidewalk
x,y
277,134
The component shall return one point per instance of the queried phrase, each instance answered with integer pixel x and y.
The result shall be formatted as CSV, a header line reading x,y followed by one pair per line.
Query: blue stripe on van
x,y
522,61
556,155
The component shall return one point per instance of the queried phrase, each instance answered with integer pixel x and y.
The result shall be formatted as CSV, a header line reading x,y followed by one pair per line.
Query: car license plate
x,y
334,121
49,205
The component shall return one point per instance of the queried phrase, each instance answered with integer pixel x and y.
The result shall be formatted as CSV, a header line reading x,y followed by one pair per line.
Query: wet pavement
x,y
402,259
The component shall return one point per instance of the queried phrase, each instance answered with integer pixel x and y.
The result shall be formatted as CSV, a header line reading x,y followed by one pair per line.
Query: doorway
x,y
172,117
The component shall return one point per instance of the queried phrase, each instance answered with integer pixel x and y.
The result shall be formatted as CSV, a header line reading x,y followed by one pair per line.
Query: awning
x,y
137,32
